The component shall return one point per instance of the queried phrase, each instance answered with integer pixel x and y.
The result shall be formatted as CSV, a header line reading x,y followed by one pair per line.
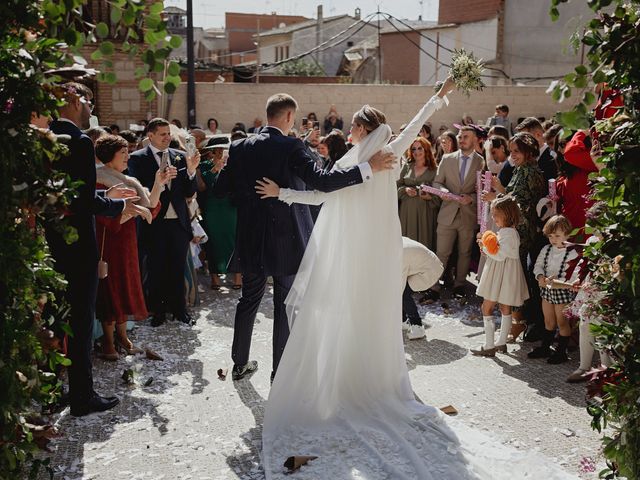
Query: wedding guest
x,y
115,129
420,270
500,131
78,261
312,117
467,120
573,188
457,219
448,143
212,127
555,262
120,293
527,186
497,153
257,125
545,160
425,132
177,122
336,148
220,216
237,135
501,118
94,133
166,240
131,138
323,150
239,127
200,136
502,281
418,210
332,121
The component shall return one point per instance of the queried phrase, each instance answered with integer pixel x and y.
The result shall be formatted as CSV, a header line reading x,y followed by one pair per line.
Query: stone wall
x,y
230,103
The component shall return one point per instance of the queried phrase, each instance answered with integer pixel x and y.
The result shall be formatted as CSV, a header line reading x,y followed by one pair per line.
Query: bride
x,y
342,390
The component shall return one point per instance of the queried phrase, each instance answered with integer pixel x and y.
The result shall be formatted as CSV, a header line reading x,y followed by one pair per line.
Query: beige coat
x,y
420,266
448,176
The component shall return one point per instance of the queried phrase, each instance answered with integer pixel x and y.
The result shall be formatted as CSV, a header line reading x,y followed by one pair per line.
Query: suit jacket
x,y
143,166
548,165
271,236
448,176
80,165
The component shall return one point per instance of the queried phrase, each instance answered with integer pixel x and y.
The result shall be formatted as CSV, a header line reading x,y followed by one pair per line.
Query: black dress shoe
x,y
95,404
429,296
184,317
158,319
240,371
459,292
532,334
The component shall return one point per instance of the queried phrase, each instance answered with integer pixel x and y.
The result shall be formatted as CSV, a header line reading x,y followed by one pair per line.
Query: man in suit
x,y
457,220
546,160
78,261
271,235
166,240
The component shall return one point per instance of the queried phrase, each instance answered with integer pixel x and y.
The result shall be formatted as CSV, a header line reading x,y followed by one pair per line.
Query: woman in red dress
x,y
120,293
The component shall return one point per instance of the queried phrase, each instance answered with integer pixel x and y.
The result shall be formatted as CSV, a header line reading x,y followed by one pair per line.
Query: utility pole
x,y
379,49
191,81
258,52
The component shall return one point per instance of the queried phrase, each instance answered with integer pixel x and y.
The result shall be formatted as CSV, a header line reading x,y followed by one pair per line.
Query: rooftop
x,y
300,26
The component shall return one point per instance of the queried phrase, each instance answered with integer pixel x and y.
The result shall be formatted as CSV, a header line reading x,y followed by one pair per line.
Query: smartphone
x,y
305,121
165,162
190,144
316,125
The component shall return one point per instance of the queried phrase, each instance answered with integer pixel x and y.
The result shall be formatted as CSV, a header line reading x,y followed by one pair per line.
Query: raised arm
x,y
409,134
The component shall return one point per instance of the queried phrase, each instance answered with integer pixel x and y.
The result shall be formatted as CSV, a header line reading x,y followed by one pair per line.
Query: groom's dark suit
x,y
271,236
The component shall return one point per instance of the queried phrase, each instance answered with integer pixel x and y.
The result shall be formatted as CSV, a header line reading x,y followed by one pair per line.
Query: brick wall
x,y
230,103
121,103
463,11
242,26
400,58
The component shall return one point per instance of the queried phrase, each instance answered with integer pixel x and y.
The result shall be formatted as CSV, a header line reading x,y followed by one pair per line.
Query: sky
x,y
210,13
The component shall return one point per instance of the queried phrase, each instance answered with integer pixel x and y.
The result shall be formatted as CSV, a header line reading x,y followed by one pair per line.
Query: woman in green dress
x,y
220,216
418,210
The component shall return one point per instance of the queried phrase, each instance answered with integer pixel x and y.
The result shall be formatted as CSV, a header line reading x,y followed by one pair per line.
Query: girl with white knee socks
x,y
503,281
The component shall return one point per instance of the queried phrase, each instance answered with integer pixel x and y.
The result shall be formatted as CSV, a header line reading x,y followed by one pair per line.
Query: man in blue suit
x,y
166,240
272,236
78,261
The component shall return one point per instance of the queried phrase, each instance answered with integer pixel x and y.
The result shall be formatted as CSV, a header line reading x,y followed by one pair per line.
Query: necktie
x,y
463,168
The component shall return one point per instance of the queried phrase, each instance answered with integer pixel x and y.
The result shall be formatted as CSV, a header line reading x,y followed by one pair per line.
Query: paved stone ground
x,y
189,424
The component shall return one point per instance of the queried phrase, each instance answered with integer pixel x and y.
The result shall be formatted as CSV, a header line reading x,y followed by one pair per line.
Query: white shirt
x,y
470,159
556,255
171,212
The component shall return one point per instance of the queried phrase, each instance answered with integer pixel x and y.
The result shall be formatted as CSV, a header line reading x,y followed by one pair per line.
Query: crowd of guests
x,y
150,191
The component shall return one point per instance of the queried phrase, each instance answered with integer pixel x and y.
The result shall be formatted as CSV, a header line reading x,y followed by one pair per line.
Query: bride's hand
x,y
267,188
447,87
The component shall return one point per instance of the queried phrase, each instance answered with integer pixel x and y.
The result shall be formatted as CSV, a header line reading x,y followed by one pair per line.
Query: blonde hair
x,y
508,207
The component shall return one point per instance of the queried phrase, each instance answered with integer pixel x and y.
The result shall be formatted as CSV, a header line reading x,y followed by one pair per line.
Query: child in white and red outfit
x,y
555,262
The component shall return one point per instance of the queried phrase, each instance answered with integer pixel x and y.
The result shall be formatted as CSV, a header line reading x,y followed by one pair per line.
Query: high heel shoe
x,y
516,331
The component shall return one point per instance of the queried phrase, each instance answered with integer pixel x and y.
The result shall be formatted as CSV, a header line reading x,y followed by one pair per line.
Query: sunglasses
x,y
88,102
416,149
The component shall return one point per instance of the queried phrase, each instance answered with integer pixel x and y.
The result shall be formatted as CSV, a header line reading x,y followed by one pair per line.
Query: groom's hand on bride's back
x,y
383,161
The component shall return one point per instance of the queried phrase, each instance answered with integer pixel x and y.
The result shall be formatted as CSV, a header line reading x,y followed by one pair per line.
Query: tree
x,y
38,39
300,68
613,40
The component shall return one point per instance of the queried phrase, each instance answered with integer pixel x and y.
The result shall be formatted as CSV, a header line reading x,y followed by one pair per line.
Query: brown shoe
x,y
501,348
577,376
484,352
516,330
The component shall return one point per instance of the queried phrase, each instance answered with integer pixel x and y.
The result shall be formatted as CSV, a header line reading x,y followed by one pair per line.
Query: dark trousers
x,y
409,308
167,255
253,287
81,294
532,308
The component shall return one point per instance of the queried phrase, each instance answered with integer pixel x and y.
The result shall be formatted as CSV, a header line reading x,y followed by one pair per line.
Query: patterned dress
x,y
528,186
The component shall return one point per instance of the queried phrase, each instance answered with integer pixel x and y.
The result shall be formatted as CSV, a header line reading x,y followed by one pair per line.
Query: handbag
x,y
103,267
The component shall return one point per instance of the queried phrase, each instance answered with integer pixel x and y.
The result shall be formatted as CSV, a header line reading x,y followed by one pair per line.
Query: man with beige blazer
x,y
457,219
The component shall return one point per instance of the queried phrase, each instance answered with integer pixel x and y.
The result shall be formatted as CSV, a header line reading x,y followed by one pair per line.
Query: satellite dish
x,y
282,25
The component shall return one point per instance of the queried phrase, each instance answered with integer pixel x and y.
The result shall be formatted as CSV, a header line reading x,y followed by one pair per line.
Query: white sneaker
x,y
406,325
416,332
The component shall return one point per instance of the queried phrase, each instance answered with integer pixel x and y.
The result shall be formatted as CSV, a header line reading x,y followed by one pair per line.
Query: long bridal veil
x,y
342,391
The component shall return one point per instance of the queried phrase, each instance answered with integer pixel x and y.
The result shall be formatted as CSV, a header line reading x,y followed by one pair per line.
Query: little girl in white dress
x,y
503,281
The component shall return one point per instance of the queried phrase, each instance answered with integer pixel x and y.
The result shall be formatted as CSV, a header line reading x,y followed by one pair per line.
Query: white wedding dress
x,y
342,390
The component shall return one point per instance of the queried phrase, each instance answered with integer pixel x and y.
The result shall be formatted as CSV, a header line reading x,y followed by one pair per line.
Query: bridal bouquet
x,y
466,71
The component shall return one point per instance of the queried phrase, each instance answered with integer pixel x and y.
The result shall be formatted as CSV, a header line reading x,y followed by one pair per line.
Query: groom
x,y
271,236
